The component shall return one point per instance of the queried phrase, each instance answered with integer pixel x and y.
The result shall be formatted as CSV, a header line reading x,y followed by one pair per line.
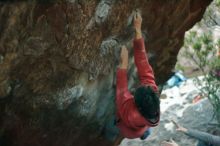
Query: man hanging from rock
x,y
137,113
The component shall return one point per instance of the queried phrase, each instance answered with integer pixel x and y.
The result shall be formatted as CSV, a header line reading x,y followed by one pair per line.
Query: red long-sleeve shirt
x,y
130,121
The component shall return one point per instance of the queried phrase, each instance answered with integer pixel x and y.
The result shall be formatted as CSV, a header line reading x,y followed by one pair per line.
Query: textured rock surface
x,y
58,58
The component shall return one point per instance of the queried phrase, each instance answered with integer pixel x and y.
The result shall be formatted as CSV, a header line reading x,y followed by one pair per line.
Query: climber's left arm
x,y
121,77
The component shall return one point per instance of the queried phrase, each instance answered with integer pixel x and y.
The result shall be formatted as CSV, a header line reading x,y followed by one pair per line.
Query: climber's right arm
x,y
144,69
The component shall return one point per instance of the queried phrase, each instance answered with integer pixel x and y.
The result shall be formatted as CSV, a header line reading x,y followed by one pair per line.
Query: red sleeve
x,y
121,86
124,105
144,69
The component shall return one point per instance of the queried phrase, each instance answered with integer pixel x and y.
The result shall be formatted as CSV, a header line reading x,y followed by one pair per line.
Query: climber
x,y
136,114
204,139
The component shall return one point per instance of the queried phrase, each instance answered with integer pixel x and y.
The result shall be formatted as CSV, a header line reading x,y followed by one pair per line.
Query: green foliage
x,y
202,50
217,2
197,46
179,67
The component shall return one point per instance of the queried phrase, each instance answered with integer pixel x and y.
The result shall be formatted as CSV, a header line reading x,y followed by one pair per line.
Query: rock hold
x,y
109,46
1,59
5,89
102,11
66,97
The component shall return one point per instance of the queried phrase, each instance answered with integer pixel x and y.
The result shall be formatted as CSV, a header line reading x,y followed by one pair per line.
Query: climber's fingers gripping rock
x,y
137,22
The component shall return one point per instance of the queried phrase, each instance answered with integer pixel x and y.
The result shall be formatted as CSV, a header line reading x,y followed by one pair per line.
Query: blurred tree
x,y
201,50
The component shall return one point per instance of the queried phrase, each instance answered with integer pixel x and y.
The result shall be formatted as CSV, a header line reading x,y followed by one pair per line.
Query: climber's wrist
x,y
138,34
123,65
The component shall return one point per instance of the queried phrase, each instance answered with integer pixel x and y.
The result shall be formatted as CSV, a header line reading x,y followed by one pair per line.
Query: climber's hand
x,y
137,24
124,58
171,143
178,127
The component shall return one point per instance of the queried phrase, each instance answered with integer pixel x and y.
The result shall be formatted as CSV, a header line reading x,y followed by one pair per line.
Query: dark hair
x,y
147,101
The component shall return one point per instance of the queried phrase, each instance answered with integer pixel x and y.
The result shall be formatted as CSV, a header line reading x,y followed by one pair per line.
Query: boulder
x,y
57,74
